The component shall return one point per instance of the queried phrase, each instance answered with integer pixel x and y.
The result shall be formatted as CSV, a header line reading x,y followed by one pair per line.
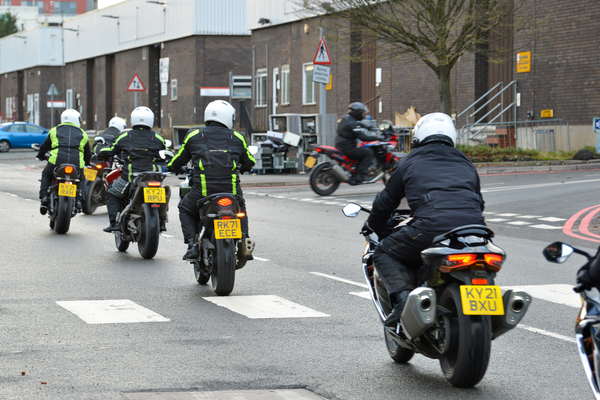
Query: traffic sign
x,y
322,57
597,124
321,74
52,91
136,84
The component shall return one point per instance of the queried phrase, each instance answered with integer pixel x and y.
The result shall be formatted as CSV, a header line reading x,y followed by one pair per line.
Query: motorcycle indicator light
x,y
225,202
68,169
99,166
154,184
241,215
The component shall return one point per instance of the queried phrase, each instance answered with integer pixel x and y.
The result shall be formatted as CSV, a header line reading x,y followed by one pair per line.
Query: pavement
x,y
281,179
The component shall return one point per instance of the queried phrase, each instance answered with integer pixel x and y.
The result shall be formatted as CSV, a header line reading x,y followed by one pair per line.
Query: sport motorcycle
x,y
456,310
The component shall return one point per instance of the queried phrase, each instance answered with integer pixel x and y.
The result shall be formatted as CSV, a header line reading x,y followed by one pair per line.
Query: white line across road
x,y
538,185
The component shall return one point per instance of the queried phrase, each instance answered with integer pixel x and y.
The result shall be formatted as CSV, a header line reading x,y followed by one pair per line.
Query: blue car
x,y
20,135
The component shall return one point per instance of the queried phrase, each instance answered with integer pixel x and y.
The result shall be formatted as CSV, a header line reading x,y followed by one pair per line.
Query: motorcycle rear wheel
x,y
63,214
149,232
322,181
223,270
398,353
92,196
465,362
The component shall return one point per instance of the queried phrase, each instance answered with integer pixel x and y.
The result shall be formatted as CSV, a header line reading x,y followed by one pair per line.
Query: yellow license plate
x,y
90,174
228,229
310,162
154,195
66,189
481,300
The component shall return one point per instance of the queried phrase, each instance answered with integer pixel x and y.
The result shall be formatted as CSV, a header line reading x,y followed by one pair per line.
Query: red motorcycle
x,y
327,175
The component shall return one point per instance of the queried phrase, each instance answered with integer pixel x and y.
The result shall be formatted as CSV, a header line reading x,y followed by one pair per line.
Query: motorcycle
x,y
94,192
587,324
222,250
146,211
326,177
456,310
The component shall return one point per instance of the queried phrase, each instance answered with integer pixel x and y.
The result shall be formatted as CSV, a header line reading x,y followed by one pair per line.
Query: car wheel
x,y
4,146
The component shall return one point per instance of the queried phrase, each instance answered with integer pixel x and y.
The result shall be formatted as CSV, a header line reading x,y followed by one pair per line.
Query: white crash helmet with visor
x,y
117,122
220,111
72,117
142,116
434,127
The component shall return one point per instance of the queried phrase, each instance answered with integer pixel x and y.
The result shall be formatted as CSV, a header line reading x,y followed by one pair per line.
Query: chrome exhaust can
x,y
419,313
340,173
516,304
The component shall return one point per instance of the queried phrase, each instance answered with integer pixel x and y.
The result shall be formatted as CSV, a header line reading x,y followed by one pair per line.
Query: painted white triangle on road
x,y
265,306
111,311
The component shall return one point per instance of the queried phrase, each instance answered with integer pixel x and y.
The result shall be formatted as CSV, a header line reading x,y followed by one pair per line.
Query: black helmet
x,y
357,109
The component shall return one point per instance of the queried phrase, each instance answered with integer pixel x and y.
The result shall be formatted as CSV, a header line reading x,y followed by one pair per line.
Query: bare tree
x,y
437,32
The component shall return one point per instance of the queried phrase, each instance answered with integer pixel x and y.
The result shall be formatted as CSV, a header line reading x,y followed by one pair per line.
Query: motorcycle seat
x,y
466,230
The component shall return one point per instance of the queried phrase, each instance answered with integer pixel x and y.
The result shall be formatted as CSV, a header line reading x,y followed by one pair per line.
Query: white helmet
x,y
118,123
434,127
142,116
71,116
220,111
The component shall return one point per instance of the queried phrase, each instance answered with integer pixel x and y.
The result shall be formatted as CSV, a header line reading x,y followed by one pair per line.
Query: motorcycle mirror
x,y
351,210
253,149
35,146
99,139
168,143
557,252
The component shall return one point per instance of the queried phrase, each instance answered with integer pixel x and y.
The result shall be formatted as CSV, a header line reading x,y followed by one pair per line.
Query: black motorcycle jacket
x,y
110,135
140,147
218,155
441,187
349,131
67,144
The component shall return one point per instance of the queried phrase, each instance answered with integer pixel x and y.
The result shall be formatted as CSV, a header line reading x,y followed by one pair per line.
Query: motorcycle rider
x,y
140,146
67,144
442,189
349,131
110,134
219,155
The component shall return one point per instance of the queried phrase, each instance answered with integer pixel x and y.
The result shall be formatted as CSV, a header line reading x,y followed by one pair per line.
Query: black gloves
x,y
584,280
176,171
366,229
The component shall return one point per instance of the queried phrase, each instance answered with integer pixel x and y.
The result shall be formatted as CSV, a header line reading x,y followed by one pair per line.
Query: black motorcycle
x,y
62,194
587,325
94,192
456,310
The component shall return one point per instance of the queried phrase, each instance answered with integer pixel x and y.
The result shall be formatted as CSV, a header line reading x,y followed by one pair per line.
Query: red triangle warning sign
x,y
322,57
136,84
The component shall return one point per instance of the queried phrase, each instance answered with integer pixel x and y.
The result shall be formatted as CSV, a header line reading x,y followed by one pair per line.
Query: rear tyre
x,y
63,214
398,353
465,362
93,196
201,278
4,146
149,232
223,270
322,180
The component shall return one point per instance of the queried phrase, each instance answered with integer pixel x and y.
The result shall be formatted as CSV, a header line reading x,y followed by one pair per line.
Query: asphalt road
x,y
307,265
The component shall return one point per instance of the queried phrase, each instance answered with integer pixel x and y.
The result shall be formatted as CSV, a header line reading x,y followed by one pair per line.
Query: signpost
x,y
321,72
597,129
52,92
136,86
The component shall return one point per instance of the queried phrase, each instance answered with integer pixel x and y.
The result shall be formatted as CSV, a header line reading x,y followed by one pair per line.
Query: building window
x,y
261,87
173,89
285,84
308,86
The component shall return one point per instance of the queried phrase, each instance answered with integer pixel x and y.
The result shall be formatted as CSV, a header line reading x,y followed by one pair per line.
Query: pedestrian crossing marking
x,y
544,226
506,215
265,306
519,223
111,311
495,219
552,219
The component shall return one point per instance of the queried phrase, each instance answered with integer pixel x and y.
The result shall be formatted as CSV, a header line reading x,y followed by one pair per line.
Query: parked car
x,y
20,135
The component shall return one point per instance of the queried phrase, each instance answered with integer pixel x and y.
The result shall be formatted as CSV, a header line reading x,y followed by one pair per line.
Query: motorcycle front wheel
x,y
201,277
398,353
223,270
149,232
465,362
322,180
93,196
63,214
122,244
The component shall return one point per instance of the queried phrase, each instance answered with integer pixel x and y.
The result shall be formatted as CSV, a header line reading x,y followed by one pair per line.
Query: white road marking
x,y
111,311
539,185
165,235
495,219
552,219
559,293
529,216
506,215
332,203
267,306
365,295
488,212
544,332
335,278
261,259
519,223
544,226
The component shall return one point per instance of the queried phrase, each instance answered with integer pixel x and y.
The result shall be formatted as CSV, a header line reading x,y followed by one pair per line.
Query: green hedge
x,y
483,153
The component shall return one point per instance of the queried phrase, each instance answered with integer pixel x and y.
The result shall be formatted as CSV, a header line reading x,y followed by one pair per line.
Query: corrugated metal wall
x,y
223,17
31,48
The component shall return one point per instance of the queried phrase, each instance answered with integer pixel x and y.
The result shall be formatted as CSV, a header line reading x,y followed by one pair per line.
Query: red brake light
x,y
68,169
154,184
225,202
457,262
475,281
318,150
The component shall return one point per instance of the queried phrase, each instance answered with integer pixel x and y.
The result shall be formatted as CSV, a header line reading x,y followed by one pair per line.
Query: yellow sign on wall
x,y
328,86
547,113
524,62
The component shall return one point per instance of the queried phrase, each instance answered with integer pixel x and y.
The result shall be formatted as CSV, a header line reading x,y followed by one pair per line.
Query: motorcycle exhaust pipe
x,y
340,173
516,304
419,313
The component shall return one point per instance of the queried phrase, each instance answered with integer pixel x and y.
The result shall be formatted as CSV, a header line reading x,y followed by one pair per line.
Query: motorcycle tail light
x,y
494,260
69,170
479,281
241,215
456,262
318,150
154,184
224,202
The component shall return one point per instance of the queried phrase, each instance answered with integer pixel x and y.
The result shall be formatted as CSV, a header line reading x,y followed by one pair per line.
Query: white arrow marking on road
x,y
268,306
111,311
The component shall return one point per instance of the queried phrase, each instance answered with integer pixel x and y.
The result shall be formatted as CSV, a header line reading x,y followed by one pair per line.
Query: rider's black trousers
x,y
363,156
48,179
